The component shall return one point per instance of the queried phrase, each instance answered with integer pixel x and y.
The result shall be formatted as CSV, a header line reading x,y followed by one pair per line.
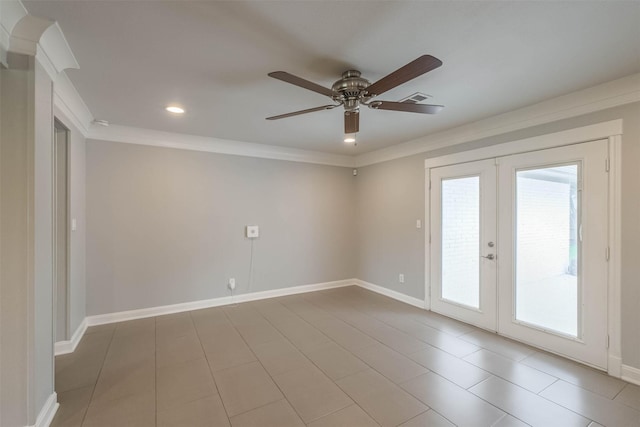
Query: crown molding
x,y
26,34
607,95
11,12
31,35
69,102
54,52
133,135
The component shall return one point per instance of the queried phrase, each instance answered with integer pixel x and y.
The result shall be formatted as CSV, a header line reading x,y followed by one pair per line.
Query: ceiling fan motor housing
x,y
350,89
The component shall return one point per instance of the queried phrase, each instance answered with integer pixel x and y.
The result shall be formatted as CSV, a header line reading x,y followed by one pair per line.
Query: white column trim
x,y
67,99
427,238
615,250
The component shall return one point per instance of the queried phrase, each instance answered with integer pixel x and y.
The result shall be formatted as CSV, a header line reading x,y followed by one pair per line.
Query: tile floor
x,y
343,357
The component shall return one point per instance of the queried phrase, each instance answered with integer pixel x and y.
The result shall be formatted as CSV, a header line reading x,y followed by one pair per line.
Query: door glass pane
x,y
461,240
547,248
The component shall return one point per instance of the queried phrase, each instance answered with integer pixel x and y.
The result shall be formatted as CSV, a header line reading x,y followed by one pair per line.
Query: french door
x,y
463,269
518,246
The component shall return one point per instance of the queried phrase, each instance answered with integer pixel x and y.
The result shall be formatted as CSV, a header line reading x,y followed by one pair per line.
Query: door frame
x,y
611,131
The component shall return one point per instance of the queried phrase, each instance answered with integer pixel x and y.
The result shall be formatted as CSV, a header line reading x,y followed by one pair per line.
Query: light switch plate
x,y
252,231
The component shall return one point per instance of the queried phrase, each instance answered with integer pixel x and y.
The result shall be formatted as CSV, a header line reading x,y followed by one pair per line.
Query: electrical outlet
x,y
232,283
401,278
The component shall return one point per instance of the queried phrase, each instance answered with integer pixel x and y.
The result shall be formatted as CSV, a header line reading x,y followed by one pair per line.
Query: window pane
x,y
547,248
461,240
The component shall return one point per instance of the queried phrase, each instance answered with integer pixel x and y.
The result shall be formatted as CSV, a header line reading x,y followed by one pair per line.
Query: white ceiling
x,y
213,57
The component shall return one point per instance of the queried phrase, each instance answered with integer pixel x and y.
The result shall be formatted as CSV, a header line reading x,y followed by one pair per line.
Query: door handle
x,y
490,256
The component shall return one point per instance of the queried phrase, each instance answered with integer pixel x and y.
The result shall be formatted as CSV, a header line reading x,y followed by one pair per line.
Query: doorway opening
x,y
61,230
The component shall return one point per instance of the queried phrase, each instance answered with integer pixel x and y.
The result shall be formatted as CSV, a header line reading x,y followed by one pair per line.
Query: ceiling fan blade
x,y
406,106
413,69
308,110
298,81
351,121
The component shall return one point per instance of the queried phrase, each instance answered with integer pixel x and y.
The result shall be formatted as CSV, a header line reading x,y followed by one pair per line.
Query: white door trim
x,y
615,261
612,131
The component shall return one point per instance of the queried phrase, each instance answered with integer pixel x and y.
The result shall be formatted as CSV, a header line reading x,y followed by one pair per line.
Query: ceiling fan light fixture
x,y
350,138
175,109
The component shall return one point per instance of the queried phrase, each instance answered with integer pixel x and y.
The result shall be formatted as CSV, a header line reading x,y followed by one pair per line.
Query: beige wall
x,y
166,226
390,197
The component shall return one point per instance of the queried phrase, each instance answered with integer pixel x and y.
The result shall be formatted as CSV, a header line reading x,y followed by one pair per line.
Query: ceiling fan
x,y
352,90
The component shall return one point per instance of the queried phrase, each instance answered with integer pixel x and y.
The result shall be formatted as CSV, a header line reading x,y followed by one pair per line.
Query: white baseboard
x,y
627,373
631,374
48,411
102,319
614,366
64,347
390,293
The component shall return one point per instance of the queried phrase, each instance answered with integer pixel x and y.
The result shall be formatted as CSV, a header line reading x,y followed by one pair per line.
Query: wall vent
x,y
416,98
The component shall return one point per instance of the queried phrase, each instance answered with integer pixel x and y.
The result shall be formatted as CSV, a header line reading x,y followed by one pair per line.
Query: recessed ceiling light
x,y
174,109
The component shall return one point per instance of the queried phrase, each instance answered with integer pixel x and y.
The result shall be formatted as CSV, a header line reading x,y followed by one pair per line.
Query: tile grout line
x,y
548,400
424,412
314,364
380,342
364,313
637,408
587,391
538,393
618,393
508,380
569,409
433,372
284,396
209,365
578,364
393,302
195,399
348,351
318,307
84,417
480,348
